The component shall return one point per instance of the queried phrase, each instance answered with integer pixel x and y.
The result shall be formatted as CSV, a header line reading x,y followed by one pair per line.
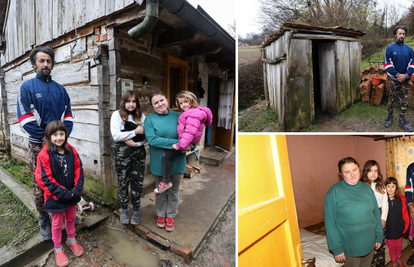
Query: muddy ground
x,y
112,244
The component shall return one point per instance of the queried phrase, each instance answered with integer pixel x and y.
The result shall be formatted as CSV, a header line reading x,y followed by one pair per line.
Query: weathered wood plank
x,y
83,94
80,46
322,36
31,32
86,132
86,115
343,75
65,75
80,13
26,68
300,110
355,67
119,4
94,75
327,77
110,7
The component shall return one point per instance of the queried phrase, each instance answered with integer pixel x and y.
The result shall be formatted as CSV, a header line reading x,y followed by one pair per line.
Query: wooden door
x,y
224,137
268,231
327,77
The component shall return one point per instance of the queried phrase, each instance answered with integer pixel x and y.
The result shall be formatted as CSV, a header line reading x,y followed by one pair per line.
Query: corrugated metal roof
x,y
288,26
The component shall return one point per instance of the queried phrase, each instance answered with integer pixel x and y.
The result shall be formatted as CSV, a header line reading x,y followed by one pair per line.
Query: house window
x,y
175,78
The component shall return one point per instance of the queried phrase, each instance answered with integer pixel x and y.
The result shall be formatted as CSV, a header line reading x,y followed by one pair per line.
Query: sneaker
x,y
388,122
45,228
124,217
135,218
161,222
170,225
162,187
61,259
76,249
400,264
403,124
410,260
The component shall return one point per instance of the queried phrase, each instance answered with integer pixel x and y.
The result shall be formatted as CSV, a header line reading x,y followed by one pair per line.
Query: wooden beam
x,y
276,60
208,48
323,36
179,36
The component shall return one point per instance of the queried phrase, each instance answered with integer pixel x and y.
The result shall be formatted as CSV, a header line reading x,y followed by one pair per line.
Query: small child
x,y
190,129
397,221
60,174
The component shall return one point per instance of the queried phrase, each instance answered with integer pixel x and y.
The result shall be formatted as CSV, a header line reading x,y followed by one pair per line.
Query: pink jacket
x,y
191,125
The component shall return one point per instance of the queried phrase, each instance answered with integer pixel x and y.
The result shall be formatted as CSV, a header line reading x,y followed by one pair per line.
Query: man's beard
x,y
44,72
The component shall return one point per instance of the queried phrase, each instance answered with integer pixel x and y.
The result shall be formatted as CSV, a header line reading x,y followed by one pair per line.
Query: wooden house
x,y
96,60
308,69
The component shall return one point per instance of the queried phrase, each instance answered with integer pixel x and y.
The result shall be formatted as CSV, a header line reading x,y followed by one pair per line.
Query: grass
x,y
364,111
263,120
376,53
15,218
18,169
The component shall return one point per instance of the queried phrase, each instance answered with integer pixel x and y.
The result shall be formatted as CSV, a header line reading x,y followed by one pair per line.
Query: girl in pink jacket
x,y
190,128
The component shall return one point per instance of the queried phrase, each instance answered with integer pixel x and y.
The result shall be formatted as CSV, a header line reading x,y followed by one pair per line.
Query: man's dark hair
x,y
46,50
403,27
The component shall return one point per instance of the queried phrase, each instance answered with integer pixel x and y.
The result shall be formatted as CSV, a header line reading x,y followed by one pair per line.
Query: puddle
x,y
129,249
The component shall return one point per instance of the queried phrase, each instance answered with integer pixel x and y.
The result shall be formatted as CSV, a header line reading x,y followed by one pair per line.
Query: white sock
x,y
71,241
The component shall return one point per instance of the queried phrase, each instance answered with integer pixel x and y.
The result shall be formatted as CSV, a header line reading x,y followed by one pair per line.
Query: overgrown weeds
x,y
18,169
261,120
15,219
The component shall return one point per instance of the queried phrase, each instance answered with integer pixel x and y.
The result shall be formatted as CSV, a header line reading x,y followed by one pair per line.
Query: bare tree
x,y
231,29
356,14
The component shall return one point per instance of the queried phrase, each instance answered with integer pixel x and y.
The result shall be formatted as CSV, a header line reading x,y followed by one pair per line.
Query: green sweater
x,y
161,133
352,219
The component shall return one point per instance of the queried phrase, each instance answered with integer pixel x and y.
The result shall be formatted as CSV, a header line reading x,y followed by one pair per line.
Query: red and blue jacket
x,y
399,59
40,101
57,188
409,184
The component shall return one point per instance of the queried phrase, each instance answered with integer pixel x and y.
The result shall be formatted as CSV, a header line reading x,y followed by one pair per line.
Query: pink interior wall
x,y
314,167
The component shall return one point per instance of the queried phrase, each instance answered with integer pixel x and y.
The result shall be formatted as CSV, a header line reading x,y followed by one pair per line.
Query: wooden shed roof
x,y
297,27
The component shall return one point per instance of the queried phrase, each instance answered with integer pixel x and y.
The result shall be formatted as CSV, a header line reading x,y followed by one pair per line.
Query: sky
x,y
248,12
222,11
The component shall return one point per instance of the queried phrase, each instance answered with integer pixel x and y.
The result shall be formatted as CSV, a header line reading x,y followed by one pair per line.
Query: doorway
x,y
324,78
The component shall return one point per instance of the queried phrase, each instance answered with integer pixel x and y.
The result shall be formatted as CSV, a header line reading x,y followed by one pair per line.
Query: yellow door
x,y
268,232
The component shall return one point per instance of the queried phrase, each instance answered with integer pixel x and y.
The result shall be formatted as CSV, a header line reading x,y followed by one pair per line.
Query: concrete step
x,y
214,156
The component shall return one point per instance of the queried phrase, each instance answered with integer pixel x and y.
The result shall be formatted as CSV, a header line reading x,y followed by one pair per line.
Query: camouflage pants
x,y
130,168
38,194
401,91
379,255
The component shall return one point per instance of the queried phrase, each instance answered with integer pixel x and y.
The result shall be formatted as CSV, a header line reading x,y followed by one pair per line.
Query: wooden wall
x,y
35,22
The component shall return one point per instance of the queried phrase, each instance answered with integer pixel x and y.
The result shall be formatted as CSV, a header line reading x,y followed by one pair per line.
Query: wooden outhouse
x,y
309,69
182,48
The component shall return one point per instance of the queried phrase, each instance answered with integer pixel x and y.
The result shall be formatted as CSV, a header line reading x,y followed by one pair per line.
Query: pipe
x,y
194,17
149,21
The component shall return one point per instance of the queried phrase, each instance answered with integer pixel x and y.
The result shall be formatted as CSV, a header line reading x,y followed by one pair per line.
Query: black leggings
x,y
167,158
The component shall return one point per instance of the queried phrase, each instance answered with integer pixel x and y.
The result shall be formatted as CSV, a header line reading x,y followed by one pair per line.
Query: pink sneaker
x,y
170,224
61,259
162,187
161,222
76,249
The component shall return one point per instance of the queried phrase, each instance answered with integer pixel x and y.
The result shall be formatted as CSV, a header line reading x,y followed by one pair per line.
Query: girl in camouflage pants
x,y
129,153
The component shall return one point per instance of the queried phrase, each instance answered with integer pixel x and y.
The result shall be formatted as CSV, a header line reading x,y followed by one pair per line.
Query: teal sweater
x,y
161,133
352,219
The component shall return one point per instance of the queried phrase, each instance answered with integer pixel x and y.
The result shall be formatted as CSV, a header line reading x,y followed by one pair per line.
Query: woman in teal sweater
x,y
352,218
161,133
